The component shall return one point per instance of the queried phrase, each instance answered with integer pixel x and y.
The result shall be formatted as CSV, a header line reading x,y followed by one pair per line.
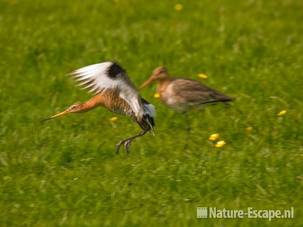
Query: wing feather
x,y
196,93
109,75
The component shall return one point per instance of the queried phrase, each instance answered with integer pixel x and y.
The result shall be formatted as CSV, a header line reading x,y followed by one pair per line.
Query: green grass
x,y
65,172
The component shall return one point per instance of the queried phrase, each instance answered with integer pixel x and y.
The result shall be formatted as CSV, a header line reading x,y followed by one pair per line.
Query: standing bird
x,y
113,90
183,94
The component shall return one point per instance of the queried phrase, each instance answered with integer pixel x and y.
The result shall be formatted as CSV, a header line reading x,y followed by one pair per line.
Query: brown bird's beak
x,y
57,115
147,82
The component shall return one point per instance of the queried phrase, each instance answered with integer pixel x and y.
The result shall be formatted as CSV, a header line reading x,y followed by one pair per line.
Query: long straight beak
x,y
146,83
57,115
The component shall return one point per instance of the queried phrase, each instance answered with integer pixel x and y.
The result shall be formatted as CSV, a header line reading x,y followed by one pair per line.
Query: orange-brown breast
x,y
162,86
168,94
162,89
111,100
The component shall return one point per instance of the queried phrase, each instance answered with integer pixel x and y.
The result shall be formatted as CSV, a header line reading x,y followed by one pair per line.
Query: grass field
x,y
66,172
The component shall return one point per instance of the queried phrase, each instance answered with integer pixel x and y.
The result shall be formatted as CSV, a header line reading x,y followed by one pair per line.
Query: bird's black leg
x,y
127,142
188,129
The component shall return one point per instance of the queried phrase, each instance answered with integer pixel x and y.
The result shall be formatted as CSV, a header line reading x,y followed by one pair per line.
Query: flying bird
x,y
183,94
113,90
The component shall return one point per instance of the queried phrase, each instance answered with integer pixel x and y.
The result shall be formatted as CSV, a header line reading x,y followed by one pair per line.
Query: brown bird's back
x,y
182,94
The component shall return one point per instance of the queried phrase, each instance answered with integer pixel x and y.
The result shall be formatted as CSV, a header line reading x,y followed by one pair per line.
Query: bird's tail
x,y
147,122
219,97
226,98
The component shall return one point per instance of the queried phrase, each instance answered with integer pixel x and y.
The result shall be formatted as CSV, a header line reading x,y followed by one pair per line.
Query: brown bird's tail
x,y
219,97
224,100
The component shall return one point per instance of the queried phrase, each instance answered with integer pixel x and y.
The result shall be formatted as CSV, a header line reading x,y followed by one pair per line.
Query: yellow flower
x,y
214,137
156,95
220,143
113,119
281,113
178,7
249,129
202,76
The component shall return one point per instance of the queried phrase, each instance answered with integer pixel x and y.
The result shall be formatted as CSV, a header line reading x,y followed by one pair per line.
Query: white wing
x,y
109,75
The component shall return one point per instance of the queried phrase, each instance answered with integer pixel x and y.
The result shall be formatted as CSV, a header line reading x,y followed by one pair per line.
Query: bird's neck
x,y
165,78
90,104
163,83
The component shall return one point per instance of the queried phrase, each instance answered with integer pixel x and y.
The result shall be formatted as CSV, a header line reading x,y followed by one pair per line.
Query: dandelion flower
x,y
220,143
113,119
178,7
202,76
156,95
249,129
281,113
214,137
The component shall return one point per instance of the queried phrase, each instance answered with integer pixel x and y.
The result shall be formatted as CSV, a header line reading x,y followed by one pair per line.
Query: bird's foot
x,y
126,144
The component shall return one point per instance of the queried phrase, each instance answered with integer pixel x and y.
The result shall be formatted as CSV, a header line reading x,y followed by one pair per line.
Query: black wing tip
x,y
220,97
227,99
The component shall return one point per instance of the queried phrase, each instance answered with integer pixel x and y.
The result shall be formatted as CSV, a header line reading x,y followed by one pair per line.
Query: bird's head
x,y
158,74
72,109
